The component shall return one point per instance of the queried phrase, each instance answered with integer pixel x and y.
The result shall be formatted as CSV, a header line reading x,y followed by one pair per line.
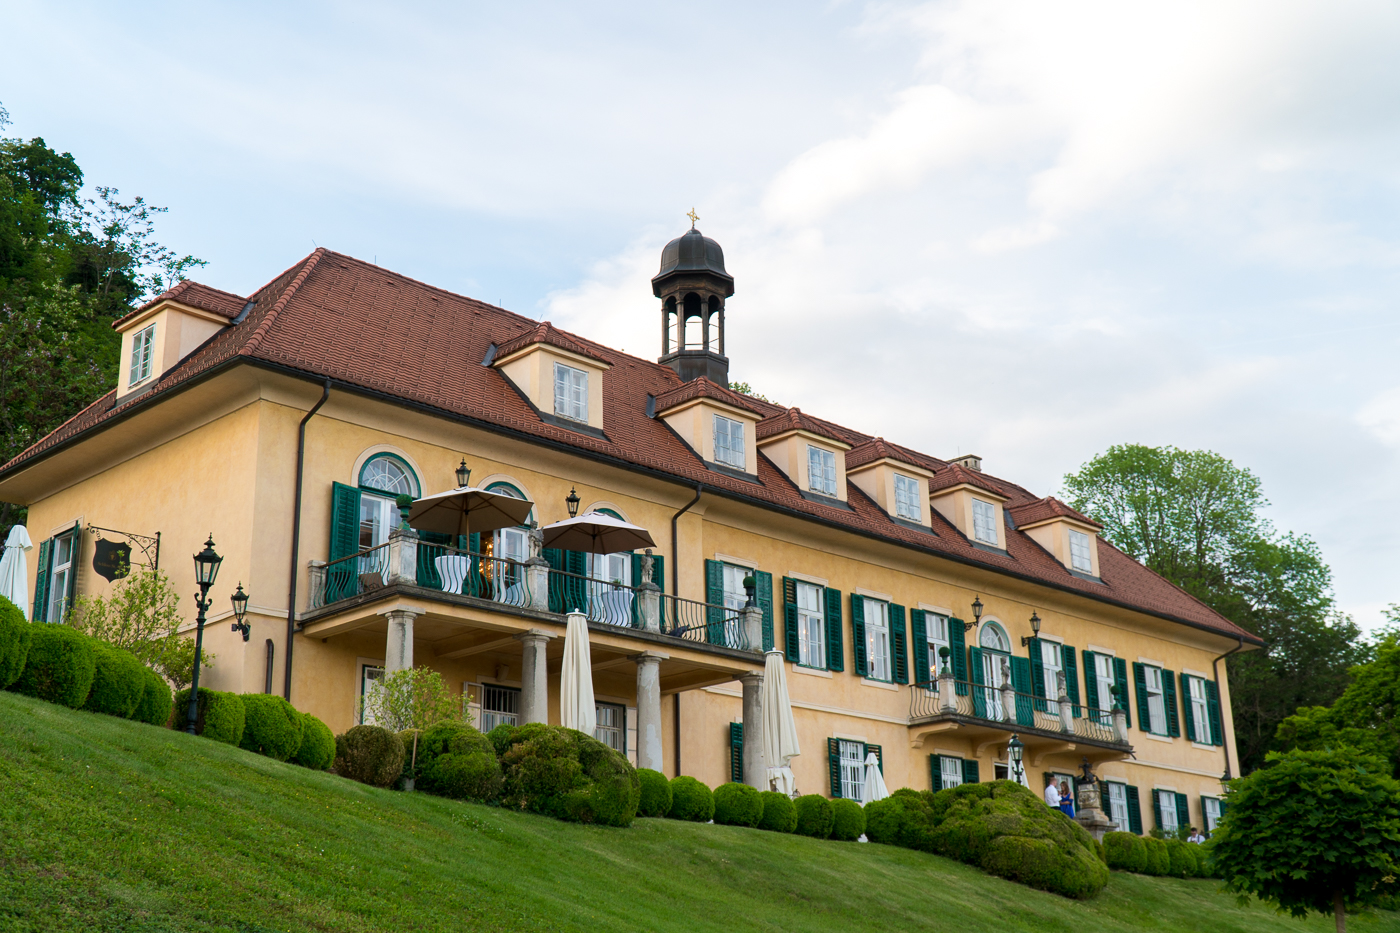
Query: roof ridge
x,y
270,318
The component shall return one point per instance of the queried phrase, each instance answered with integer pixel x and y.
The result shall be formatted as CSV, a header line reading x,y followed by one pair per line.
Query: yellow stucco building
x,y
926,610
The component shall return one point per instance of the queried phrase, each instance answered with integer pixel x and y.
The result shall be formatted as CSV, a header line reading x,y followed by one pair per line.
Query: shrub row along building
x,y
288,421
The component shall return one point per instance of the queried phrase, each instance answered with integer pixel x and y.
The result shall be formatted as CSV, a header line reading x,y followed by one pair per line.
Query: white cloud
x,y
1381,416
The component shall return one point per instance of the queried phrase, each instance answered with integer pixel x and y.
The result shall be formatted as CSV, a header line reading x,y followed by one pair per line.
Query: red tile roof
x,y
877,448
954,475
327,317
1028,513
213,300
792,419
546,333
704,388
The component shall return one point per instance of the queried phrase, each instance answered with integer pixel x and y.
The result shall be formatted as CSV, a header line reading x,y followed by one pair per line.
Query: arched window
x,y
383,478
612,568
512,543
994,638
387,473
996,653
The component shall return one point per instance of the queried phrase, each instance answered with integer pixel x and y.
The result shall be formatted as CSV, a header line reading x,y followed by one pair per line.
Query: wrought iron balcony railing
x,y
1006,707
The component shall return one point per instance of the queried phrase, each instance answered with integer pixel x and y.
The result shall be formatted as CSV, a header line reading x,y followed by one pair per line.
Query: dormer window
x,y
142,351
906,498
984,521
729,442
1080,557
570,393
821,470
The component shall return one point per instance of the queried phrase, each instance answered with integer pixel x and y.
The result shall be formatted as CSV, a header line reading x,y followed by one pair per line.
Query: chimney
x,y
968,462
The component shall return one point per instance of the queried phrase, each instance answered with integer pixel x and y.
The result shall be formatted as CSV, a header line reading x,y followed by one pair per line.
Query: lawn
x,y
115,826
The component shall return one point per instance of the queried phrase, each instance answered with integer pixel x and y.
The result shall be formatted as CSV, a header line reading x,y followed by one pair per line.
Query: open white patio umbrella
x,y
576,709
874,781
596,533
468,510
779,731
14,576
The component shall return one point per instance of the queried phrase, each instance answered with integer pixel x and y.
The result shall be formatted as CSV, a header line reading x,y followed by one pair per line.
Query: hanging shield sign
x,y
111,559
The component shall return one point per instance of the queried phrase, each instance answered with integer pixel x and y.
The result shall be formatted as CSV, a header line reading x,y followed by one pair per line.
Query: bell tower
x,y
693,286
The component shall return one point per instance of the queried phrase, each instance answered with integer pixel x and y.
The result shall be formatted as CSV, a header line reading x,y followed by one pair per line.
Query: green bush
x,y
456,760
369,754
501,737
1006,830
1181,860
655,800
1158,861
848,822
14,642
118,682
737,805
60,665
157,702
412,740
568,775
814,816
271,726
691,800
905,818
220,715
779,815
1125,851
317,748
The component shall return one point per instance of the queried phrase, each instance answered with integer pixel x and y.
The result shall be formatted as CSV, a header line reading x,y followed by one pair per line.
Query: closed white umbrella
x,y
467,510
576,708
596,533
14,575
874,780
779,731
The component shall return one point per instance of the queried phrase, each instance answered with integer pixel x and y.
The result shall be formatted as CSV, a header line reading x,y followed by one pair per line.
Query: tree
x,y
412,698
1312,832
142,615
743,388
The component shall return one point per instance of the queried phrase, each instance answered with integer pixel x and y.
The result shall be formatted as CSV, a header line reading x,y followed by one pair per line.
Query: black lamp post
x,y
206,568
572,502
976,614
464,474
1035,627
240,611
1015,750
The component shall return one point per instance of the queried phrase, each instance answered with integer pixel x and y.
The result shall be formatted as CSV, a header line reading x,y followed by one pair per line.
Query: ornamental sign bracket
x,y
112,559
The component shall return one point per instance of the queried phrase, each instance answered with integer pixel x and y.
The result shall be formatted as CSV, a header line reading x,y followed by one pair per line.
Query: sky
x,y
1023,230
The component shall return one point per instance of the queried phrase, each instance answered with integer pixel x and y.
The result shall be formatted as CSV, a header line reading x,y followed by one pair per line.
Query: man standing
x,y
1052,793
1195,836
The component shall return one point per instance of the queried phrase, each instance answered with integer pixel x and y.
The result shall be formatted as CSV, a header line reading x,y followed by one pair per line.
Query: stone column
x,y
649,753
398,648
537,579
649,599
947,691
755,771
1120,725
315,584
534,676
403,557
751,620
1066,712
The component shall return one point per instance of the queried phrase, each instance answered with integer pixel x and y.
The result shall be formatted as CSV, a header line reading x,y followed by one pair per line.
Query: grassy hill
x,y
115,826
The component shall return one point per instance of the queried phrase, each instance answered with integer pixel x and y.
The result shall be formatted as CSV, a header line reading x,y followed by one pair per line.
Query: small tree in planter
x,y
1313,831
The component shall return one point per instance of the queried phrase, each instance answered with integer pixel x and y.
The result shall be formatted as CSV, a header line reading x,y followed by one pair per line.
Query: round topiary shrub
x,y
219,715
691,800
568,775
737,805
14,642
1125,851
655,800
156,702
905,818
271,726
456,760
1006,829
501,737
317,748
1159,860
369,754
848,821
815,815
59,667
118,681
1181,859
779,814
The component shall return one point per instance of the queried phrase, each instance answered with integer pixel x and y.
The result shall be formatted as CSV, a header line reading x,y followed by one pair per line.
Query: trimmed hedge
x,y
369,754
219,715
157,702
737,805
118,683
317,748
59,667
691,800
568,775
655,800
1125,852
905,818
457,761
271,726
14,642
779,815
815,814
500,738
1159,860
849,821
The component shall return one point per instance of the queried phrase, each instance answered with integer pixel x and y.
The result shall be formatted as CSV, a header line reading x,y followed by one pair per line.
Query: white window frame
x,y
1118,804
906,498
570,392
142,353
732,577
1052,663
491,718
729,443
603,732
811,625
369,674
1156,701
1080,557
950,771
984,521
821,471
1167,810
60,575
1211,819
852,769
936,633
879,664
1200,709
1103,674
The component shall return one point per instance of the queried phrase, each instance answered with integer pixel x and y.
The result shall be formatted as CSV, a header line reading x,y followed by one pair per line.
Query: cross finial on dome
x,y
694,218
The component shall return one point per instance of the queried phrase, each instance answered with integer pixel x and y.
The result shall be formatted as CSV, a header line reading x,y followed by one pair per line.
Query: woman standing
x,y
1066,801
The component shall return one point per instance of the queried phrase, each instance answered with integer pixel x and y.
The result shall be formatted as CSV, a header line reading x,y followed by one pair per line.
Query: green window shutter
x,y
1021,683
714,595
833,759
77,534
1157,808
970,774
879,757
1187,713
1091,683
918,640
979,697
1070,665
790,646
1169,701
576,592
658,571
1217,729
957,652
555,558
835,648
1183,811
899,644
736,752
1134,810
1140,681
343,580
474,542
858,634
41,582
1120,680
430,547
935,772
1037,664
763,594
